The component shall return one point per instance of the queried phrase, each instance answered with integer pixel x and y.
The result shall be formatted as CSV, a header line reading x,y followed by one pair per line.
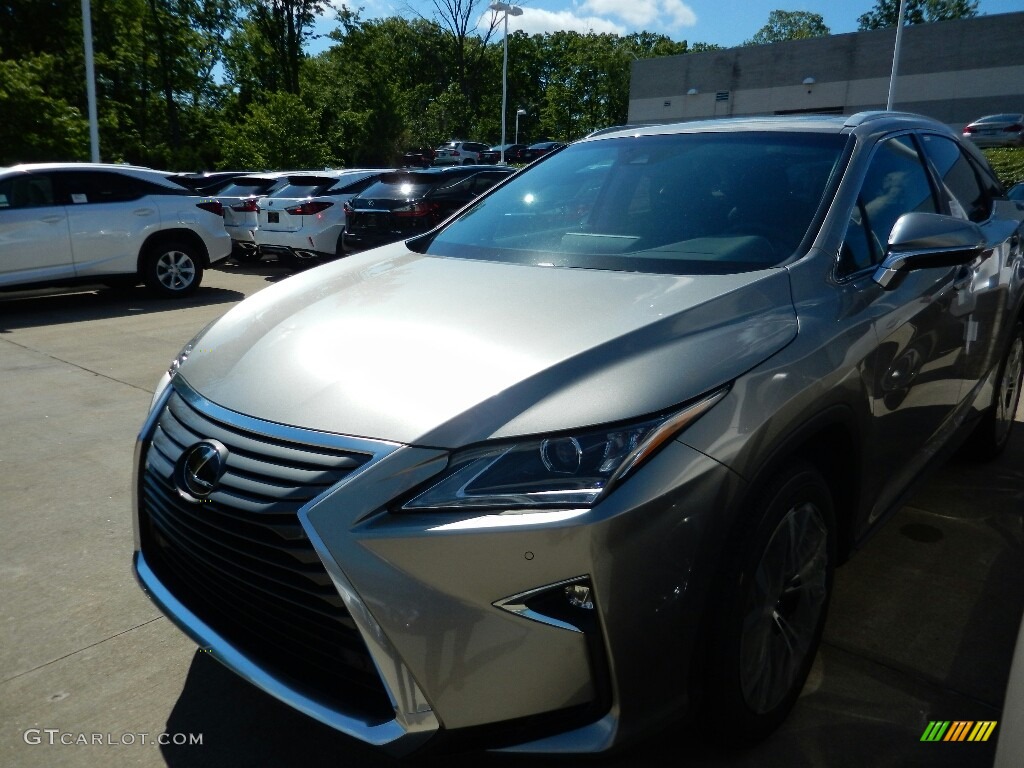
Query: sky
x,y
723,22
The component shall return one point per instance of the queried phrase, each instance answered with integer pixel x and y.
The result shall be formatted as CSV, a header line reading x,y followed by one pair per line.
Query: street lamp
x,y
519,112
515,10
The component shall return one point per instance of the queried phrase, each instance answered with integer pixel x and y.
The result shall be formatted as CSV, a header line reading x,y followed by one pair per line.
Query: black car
x,y
419,157
493,155
539,149
403,204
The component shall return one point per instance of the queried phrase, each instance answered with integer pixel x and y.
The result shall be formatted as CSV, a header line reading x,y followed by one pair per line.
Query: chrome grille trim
x,y
263,541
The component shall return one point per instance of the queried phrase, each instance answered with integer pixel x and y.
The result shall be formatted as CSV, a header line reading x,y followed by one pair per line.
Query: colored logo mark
x,y
959,730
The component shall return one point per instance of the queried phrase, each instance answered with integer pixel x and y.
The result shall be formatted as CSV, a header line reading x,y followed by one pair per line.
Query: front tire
x,y
770,606
172,269
992,434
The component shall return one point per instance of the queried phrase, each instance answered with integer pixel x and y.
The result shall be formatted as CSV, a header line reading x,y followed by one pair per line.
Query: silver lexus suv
x,y
64,223
584,457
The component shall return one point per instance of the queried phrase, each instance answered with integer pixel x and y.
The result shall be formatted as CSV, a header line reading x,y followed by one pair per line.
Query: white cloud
x,y
642,14
536,21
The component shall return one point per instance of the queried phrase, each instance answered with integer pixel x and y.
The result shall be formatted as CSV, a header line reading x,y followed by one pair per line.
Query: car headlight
x,y
564,470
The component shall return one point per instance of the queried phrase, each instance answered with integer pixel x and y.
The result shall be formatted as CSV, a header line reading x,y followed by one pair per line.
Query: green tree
x,y
285,26
886,13
790,25
38,126
280,132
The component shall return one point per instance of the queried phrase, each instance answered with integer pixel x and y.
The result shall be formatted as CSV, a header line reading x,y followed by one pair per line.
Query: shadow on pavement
x,y
30,309
270,269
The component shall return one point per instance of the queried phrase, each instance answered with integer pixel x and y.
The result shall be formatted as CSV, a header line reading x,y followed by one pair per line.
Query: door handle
x,y
53,219
143,211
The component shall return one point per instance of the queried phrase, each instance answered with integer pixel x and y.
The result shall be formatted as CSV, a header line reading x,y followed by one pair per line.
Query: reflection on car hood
x,y
393,345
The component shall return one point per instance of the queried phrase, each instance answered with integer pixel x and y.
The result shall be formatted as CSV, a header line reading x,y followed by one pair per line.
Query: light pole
x,y
519,112
515,10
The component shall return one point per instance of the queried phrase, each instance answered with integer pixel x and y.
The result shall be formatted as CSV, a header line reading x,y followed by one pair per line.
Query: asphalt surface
x,y
922,624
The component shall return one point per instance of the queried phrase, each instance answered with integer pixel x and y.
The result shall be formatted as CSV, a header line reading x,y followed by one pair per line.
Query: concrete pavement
x,y
922,625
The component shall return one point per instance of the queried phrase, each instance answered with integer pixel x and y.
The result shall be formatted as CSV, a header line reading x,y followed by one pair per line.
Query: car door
x,y
109,217
913,375
981,287
34,239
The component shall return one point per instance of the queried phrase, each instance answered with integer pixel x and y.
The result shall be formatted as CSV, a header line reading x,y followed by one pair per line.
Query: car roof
x,y
860,123
163,178
441,172
1000,118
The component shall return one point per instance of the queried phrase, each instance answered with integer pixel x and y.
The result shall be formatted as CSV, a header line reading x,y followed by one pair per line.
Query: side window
x,y
31,191
896,183
84,187
958,177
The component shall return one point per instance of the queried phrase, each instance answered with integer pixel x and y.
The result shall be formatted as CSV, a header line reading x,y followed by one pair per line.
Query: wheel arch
x,y
830,441
164,235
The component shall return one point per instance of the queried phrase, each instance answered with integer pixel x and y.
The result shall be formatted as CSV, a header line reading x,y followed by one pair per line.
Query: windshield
x,y
678,204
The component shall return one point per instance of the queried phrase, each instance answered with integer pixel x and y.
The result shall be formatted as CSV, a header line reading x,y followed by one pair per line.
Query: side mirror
x,y
928,240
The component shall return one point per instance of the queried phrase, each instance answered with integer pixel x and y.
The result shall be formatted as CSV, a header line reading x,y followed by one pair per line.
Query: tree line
x,y
205,84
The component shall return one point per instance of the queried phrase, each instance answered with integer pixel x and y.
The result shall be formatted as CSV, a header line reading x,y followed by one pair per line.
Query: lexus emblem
x,y
199,469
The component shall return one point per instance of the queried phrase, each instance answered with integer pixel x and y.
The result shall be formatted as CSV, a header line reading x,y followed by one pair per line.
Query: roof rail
x,y
876,114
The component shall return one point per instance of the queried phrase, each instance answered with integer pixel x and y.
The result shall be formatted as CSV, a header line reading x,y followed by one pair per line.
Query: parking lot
x,y
922,625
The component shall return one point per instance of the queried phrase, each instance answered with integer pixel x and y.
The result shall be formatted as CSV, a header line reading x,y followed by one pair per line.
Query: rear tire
x,y
992,434
172,269
769,608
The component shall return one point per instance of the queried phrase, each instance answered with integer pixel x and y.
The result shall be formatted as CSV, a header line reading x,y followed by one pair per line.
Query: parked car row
x,y
297,217
474,153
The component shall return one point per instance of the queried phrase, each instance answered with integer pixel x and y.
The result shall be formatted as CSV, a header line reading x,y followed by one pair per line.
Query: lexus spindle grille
x,y
242,563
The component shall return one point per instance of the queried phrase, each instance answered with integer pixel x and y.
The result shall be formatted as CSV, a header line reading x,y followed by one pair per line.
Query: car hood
x,y
393,345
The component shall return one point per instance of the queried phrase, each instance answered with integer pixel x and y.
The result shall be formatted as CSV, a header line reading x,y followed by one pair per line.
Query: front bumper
x,y
425,593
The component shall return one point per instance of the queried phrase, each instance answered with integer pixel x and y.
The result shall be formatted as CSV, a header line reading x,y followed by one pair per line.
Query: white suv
x,y
459,153
113,224
302,221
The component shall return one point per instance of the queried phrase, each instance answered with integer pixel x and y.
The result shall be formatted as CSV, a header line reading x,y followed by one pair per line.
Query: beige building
x,y
954,71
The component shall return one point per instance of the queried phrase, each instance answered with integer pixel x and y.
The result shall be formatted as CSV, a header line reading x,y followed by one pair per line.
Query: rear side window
x,y
92,187
958,176
26,191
